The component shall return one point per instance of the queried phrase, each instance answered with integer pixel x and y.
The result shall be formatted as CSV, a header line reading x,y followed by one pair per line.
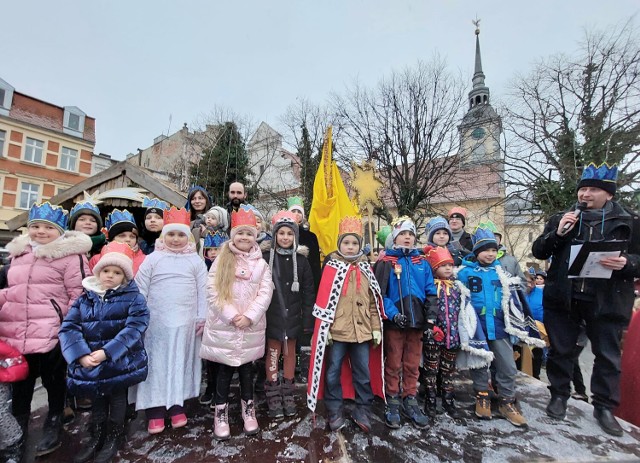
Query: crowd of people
x,y
129,316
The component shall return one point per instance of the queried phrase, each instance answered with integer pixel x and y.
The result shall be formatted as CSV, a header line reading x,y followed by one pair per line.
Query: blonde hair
x,y
225,274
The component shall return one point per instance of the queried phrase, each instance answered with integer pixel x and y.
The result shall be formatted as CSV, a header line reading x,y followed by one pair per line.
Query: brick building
x,y
44,149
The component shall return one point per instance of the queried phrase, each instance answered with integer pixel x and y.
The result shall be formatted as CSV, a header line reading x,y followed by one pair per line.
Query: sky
x,y
143,68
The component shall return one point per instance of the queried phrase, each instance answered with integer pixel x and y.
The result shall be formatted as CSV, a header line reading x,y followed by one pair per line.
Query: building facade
x,y
44,149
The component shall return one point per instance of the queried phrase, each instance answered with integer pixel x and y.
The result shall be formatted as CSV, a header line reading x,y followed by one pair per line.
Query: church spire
x,y
479,94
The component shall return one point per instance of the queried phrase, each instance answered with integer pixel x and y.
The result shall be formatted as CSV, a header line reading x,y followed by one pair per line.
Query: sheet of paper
x,y
592,267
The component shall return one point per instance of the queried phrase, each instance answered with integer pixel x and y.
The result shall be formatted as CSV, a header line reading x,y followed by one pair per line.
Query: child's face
x,y
405,239
211,221
127,237
440,238
153,222
43,232
539,280
285,237
111,277
259,223
298,215
175,240
211,253
444,272
349,246
244,240
86,224
487,256
198,202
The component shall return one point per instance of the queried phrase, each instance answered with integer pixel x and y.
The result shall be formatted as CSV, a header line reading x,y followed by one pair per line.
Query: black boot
x,y
430,404
449,404
96,441
112,443
557,407
51,435
273,391
289,403
607,421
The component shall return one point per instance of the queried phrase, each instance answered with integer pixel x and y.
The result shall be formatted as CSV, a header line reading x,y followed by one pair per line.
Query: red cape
x,y
629,409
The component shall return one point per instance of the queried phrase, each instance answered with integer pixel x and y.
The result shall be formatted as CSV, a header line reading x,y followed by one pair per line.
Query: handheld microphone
x,y
579,208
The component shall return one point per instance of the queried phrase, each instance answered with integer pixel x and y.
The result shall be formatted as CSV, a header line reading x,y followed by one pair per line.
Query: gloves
x,y
329,339
433,332
377,337
400,320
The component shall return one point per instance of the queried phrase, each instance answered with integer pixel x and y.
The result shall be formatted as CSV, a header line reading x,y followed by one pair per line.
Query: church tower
x,y
481,127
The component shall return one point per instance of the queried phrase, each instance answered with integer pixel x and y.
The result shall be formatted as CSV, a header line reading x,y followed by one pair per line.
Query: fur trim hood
x,y
70,243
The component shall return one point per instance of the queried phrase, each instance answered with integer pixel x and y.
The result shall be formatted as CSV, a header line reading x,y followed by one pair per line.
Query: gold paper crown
x,y
351,225
175,215
243,218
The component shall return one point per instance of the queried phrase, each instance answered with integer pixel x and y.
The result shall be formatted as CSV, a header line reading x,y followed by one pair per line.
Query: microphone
x,y
579,208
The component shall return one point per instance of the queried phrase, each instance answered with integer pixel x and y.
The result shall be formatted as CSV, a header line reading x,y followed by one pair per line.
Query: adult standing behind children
x,y
237,196
198,203
457,222
174,281
604,304
45,277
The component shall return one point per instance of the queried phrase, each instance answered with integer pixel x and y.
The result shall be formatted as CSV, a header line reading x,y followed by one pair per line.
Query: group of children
x,y
137,330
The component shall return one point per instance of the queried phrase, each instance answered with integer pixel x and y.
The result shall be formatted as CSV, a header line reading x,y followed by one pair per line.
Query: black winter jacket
x,y
614,297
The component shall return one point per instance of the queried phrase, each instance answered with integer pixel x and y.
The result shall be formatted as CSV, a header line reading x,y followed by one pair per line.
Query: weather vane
x,y
476,22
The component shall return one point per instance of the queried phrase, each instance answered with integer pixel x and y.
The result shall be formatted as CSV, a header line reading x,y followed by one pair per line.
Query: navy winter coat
x,y
115,323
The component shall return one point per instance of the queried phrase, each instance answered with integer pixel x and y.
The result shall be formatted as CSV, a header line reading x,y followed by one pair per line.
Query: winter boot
x,y
449,404
221,429
273,392
483,405
112,443
392,412
360,416
249,417
51,435
430,404
97,431
509,411
411,410
336,421
289,403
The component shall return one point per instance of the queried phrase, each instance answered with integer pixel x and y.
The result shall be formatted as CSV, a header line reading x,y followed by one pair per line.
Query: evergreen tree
x,y
308,167
221,164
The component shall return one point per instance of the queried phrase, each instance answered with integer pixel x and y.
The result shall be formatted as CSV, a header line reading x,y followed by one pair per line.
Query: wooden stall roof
x,y
131,175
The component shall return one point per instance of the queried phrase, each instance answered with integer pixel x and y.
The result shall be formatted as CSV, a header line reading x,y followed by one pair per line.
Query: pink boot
x,y
249,417
221,422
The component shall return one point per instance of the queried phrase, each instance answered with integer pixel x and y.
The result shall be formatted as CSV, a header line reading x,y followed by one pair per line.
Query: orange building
x,y
44,149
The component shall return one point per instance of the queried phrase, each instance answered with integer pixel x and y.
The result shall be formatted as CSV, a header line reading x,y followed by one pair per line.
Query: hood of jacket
x,y
472,261
70,243
92,284
265,246
400,252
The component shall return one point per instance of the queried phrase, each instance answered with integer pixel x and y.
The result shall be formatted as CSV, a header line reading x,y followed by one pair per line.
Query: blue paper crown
x,y
87,205
47,212
117,216
150,203
192,191
482,236
604,172
215,240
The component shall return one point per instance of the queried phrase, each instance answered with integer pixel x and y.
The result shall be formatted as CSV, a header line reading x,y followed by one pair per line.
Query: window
x,y
3,93
74,121
28,195
6,97
68,159
33,150
3,137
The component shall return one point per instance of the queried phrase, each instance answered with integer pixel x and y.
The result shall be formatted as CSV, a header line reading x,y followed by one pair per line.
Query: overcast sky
x,y
135,65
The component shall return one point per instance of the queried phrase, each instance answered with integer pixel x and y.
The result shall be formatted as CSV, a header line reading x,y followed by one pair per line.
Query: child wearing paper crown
x,y
173,279
240,290
348,332
289,314
121,228
104,328
153,223
45,278
490,295
85,217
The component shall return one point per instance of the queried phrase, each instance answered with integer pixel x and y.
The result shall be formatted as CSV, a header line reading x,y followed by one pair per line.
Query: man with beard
x,y
237,196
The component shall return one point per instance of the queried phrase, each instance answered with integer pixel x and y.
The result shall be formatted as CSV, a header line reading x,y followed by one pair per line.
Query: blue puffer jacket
x,y
416,283
486,295
115,323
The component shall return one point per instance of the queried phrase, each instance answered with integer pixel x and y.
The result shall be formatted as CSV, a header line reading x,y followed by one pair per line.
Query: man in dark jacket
x,y
604,305
237,195
459,237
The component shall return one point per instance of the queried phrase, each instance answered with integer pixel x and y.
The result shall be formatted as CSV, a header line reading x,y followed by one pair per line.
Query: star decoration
x,y
366,184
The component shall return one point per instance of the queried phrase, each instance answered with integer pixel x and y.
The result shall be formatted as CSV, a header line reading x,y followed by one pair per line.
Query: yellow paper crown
x,y
351,225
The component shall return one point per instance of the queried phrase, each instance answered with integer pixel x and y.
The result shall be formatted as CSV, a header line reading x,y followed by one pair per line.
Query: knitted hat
x,y
483,239
118,254
279,220
435,224
119,222
154,206
603,176
460,213
437,256
350,226
46,212
401,224
243,219
221,215
177,220
295,203
84,208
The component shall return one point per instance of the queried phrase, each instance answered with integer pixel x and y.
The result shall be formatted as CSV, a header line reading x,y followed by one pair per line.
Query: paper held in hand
x,y
584,259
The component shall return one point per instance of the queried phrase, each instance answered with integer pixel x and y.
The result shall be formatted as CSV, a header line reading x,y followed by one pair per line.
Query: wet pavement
x,y
305,438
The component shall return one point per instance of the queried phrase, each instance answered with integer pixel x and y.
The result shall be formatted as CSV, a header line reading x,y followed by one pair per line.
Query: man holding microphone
x,y
604,304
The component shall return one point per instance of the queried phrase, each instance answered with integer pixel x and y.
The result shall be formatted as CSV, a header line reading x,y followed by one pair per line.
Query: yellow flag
x,y
330,200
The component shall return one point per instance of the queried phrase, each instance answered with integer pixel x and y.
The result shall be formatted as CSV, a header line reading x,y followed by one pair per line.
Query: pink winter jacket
x,y
42,286
222,342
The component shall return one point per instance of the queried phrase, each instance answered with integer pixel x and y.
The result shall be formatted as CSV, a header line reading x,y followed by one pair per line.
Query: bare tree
x,y
407,125
572,110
